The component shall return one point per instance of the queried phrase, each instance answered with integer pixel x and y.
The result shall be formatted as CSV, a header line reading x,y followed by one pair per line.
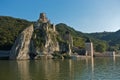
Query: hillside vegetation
x,y
11,27
79,38
112,39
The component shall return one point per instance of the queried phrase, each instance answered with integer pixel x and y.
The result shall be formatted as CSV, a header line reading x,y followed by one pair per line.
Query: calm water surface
x,y
82,69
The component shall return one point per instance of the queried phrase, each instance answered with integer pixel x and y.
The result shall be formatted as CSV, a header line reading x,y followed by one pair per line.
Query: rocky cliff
x,y
40,39
45,37
21,47
47,40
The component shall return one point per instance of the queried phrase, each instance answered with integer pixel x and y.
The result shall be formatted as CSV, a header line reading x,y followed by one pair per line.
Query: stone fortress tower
x,y
44,22
89,47
69,39
43,18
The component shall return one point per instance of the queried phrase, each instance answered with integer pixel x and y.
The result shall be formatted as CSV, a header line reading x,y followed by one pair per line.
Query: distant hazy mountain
x,y
113,38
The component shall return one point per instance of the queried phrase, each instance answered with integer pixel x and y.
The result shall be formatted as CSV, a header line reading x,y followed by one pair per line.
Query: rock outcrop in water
x,y
21,48
42,39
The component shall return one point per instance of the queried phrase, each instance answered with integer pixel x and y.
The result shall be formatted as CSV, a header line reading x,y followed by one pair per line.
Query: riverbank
x,y
4,55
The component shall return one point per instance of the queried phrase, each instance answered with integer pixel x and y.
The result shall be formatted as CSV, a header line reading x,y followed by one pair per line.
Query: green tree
x,y
79,42
10,28
101,47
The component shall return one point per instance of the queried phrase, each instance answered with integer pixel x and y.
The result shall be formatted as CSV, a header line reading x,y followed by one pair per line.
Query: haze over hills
x,y
113,38
10,28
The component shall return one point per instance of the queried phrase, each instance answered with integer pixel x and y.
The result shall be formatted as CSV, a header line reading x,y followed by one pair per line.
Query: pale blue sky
x,y
83,15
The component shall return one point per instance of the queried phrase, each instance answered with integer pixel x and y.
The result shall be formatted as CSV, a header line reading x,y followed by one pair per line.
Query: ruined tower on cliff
x,y
43,22
43,18
89,47
46,35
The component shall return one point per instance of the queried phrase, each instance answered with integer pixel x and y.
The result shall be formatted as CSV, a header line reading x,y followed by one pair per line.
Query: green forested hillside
x,y
9,29
62,28
99,35
79,38
112,39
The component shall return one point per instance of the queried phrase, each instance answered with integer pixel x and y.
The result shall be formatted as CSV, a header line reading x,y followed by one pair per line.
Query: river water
x,y
75,69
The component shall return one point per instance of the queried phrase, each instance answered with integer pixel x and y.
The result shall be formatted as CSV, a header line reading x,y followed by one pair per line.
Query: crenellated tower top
x,y
43,18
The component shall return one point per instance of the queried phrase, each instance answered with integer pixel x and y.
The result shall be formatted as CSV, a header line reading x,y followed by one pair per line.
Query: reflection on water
x,y
83,69
23,70
92,68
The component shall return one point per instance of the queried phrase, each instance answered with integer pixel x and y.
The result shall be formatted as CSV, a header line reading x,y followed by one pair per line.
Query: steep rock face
x,y
51,44
42,39
46,39
45,36
21,47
